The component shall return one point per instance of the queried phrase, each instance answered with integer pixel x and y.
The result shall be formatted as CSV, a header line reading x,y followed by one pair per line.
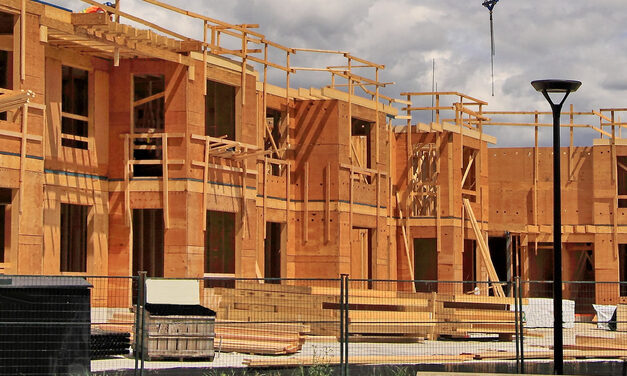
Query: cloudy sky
x,y
573,39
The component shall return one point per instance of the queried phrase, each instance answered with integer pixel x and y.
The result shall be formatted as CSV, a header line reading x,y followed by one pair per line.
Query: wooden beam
x,y
306,204
485,252
166,190
327,204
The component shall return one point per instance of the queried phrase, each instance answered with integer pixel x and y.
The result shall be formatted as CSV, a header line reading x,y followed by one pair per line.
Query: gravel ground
x,y
536,340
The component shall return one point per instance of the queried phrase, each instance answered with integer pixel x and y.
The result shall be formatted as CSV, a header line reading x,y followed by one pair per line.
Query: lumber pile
x,y
374,315
621,318
262,339
359,359
272,303
460,316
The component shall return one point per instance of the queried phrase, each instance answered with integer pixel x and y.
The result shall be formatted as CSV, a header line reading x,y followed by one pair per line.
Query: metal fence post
x,y
522,328
344,324
142,310
516,322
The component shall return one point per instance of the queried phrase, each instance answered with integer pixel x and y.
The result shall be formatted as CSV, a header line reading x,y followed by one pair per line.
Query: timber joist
x,y
96,34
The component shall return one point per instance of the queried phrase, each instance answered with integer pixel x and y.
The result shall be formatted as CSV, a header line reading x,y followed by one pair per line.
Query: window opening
x,y
273,121
272,251
220,110
75,108
5,200
73,249
148,230
425,264
423,184
149,118
622,181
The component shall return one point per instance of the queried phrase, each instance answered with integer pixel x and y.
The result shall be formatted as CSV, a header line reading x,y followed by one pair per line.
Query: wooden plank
x,y
485,252
327,204
166,187
306,204
23,142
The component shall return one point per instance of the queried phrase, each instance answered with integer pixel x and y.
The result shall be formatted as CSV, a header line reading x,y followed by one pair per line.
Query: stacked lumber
x,y
120,322
585,342
262,339
358,359
272,303
621,318
460,316
374,315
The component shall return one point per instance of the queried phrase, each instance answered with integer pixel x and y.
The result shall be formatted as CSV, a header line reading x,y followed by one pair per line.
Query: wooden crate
x,y
179,337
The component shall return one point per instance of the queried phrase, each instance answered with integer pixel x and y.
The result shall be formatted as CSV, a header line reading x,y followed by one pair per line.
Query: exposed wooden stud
x,y
23,41
265,196
127,198
204,56
205,183
351,198
166,180
287,101
327,206
243,198
23,143
288,201
306,204
376,137
614,167
244,56
485,252
570,145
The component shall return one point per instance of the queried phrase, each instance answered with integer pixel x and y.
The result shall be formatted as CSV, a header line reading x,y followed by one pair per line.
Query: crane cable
x,y
490,5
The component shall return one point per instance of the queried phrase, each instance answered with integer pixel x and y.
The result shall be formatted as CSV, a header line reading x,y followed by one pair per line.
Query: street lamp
x,y
565,87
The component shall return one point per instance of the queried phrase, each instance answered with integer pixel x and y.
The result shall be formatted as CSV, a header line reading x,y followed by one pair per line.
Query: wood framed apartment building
x,y
128,148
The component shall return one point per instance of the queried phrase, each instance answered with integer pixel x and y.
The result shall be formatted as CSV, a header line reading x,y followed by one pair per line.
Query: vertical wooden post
x,y
244,60
570,145
23,43
376,137
306,204
351,198
438,195
327,206
265,194
127,198
437,108
287,104
165,190
615,190
205,182
265,90
288,201
244,166
408,148
23,142
350,113
204,57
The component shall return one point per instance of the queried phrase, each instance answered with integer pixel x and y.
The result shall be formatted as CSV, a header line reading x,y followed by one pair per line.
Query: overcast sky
x,y
573,39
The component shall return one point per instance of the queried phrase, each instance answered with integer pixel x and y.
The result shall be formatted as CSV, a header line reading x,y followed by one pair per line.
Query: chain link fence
x,y
70,325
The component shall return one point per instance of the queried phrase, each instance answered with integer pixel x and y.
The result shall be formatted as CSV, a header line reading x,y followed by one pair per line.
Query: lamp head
x,y
556,86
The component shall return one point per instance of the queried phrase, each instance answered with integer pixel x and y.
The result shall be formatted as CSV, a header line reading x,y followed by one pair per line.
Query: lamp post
x,y
565,87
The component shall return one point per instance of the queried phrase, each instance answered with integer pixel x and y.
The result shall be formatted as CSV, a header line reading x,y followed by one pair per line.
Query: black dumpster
x,y
44,325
